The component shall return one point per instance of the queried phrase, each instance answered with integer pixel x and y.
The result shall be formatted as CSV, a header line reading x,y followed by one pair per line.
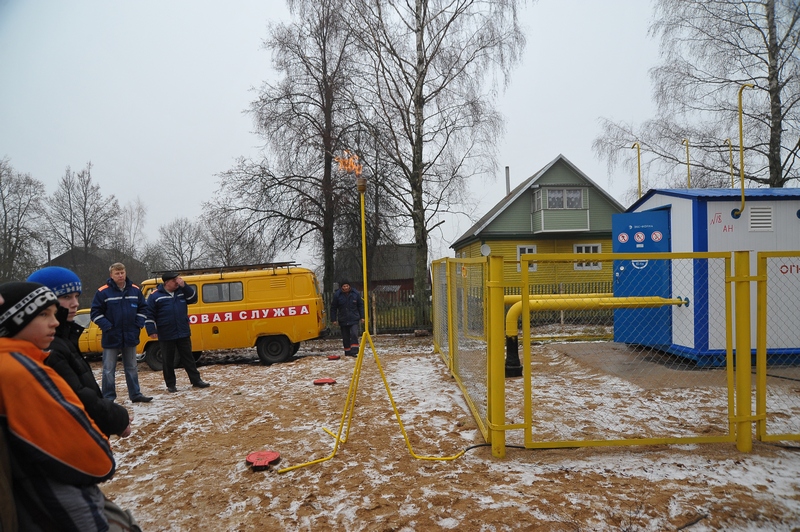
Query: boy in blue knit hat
x,y
65,356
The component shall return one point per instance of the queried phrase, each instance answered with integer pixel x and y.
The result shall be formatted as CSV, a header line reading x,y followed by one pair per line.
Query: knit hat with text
x,y
22,303
60,280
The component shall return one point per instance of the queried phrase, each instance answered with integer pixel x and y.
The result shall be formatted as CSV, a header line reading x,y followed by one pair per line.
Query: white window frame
x,y
523,250
537,201
564,198
587,248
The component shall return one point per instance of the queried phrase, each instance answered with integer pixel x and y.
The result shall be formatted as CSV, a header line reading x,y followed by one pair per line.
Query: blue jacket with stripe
x,y
169,313
120,314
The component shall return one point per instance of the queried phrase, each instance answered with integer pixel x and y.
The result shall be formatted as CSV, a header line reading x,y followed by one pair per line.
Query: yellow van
x,y
89,341
272,307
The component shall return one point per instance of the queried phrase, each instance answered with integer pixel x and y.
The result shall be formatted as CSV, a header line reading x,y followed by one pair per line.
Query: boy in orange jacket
x,y
57,454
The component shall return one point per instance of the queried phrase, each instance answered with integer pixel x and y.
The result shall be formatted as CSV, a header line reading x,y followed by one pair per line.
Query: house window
x,y
524,250
587,248
564,198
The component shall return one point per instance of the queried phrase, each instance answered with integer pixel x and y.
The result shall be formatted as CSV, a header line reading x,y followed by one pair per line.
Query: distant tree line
x,y
410,87
37,227
710,50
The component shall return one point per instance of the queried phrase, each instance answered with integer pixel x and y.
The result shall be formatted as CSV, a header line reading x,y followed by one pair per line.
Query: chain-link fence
x,y
664,378
659,355
460,337
778,350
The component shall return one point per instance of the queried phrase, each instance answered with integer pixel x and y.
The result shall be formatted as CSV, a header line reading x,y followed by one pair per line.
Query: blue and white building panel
x,y
707,220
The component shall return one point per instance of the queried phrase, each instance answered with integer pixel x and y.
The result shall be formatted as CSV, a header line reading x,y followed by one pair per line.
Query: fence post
x,y
761,347
496,358
744,436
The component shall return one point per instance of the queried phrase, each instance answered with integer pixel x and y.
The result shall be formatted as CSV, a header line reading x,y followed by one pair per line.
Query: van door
x,y
219,315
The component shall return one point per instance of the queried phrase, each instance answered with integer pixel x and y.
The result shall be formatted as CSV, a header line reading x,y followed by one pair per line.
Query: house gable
x,y
576,219
525,212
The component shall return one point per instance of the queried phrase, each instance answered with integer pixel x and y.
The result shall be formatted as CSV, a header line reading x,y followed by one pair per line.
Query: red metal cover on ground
x,y
334,357
262,459
325,381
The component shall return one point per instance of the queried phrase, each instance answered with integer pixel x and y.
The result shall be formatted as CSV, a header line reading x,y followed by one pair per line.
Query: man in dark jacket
x,y
347,308
119,309
168,323
66,358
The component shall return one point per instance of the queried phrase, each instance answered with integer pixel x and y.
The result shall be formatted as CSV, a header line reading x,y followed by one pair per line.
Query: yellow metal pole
x,y
761,348
741,147
496,359
744,436
451,345
639,164
527,399
361,185
688,166
730,153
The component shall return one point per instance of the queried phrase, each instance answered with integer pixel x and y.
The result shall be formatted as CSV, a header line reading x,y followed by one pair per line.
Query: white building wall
x,y
725,233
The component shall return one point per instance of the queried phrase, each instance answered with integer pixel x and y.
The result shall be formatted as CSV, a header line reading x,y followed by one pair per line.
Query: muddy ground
x,y
184,467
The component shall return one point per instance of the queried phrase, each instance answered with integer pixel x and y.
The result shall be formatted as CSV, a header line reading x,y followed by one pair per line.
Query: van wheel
x,y
273,349
152,355
295,348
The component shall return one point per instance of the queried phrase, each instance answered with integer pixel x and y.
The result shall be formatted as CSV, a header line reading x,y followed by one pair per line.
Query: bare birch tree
x,y
428,99
128,228
20,213
229,240
711,49
180,244
293,193
80,216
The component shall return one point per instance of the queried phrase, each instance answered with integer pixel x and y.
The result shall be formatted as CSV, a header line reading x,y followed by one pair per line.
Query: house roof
x,y
473,233
719,194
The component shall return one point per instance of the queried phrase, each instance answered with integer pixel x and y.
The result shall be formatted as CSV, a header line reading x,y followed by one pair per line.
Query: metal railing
x,y
677,371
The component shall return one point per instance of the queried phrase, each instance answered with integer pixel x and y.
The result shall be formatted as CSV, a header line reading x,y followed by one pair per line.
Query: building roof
x,y
719,194
474,232
389,262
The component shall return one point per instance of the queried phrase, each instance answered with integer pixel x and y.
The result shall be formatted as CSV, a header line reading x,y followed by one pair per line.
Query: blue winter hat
x,y
60,280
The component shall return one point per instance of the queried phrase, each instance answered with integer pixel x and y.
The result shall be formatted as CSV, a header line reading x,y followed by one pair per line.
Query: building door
x,y
642,232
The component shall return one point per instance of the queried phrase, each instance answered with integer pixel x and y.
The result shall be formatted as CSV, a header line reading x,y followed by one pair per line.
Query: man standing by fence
x,y
347,308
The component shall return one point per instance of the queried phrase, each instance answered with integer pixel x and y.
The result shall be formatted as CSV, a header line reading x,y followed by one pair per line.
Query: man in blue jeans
x,y
119,309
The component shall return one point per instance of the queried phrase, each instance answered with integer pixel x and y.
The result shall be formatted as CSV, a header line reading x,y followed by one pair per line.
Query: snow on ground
x,y
184,467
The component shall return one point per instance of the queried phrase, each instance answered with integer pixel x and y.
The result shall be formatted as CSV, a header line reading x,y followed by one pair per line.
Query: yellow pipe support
x,y
744,437
497,358
509,300
761,348
741,148
586,303
345,422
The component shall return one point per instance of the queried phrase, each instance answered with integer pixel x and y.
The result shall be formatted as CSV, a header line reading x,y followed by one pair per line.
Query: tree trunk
x,y
776,178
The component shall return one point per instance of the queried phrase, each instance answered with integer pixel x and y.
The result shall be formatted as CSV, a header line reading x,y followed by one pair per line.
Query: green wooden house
x,y
559,209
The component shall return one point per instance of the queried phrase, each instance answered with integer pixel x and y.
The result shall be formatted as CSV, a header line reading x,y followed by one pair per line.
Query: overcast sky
x,y
153,93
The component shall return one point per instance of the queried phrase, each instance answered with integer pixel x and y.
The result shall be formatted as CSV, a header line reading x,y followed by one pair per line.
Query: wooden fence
x,y
392,312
